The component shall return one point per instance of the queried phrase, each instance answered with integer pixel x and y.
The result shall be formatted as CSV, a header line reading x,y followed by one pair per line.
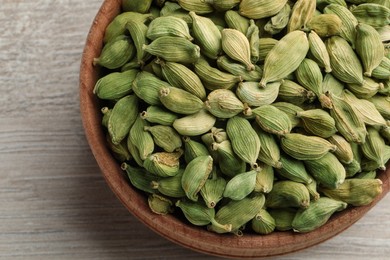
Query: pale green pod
x,y
235,21
291,92
312,188
165,137
174,9
197,6
219,134
272,120
141,139
318,51
159,204
325,25
286,194
158,115
302,12
138,32
291,111
119,151
147,87
174,49
223,5
355,166
370,175
279,21
263,223
283,218
168,26
240,185
180,101
264,179
170,186
327,170
180,76
302,147
116,53
213,78
257,9
253,38
122,117
374,148
318,122
133,150
371,14
356,192
345,64
238,69
193,149
223,103
383,70
344,150
212,191
269,151
236,46
195,175
163,164
332,85
139,6
229,163
293,170
195,212
251,94
265,46
115,85
195,124
245,142
382,104
282,61
139,177
316,215
207,35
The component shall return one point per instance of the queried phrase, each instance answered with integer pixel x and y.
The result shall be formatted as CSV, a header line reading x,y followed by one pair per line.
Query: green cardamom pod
x,y
321,4
197,6
223,103
138,32
374,148
279,21
283,218
119,151
251,94
141,139
212,191
230,164
344,150
382,104
272,120
240,185
318,122
159,204
175,10
115,85
293,170
195,124
193,149
318,51
257,9
312,188
291,111
264,179
139,177
168,26
287,194
139,6
236,46
333,85
219,134
147,87
326,25
269,151
170,186
237,69
235,21
180,101
253,38
383,70
165,137
131,65
158,115
370,175
263,223
372,14
163,164
116,53
265,46
133,150
291,92
302,13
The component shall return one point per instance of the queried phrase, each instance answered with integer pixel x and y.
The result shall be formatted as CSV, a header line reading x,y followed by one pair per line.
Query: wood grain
x,y
54,202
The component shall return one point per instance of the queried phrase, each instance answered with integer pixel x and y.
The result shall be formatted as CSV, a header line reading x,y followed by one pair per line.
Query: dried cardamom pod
x,y
354,167
170,186
135,154
236,46
287,194
257,9
174,9
318,51
326,25
116,53
139,177
139,6
195,124
291,111
344,150
240,185
263,223
265,46
318,122
159,204
163,164
382,104
302,13
165,137
253,38
180,101
193,149
141,139
238,69
283,218
321,4
235,21
374,148
383,70
147,87
332,85
119,151
250,93
371,14
291,92
272,120
223,103
212,191
219,134
312,188
264,179
131,65
293,170
115,85
229,163
369,175
138,32
168,26
269,151
158,115
279,21
197,6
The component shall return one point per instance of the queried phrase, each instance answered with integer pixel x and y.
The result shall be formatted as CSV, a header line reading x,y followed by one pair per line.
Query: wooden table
x,y
54,203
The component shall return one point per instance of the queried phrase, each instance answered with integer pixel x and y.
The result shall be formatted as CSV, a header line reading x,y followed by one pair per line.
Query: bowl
x,y
169,226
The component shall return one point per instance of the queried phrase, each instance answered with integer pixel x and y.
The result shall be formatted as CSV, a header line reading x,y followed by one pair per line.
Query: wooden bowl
x,y
170,227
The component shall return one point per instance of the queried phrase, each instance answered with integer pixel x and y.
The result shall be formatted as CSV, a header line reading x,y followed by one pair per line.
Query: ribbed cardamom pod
x,y
195,175
251,94
302,13
115,85
174,9
345,64
282,60
263,223
383,70
230,164
237,69
278,22
369,47
139,6
374,147
293,170
269,151
223,5
195,212
168,26
318,122
158,115
302,147
355,166
195,124
207,35
265,46
193,149
236,46
240,185
180,101
312,188
382,104
135,154
170,186
139,177
327,170
333,85
344,150
118,26
371,14
223,103
316,215
356,192
245,142
257,9
236,213
131,65
174,49
349,21
197,6
348,122
326,25
283,218
180,76
165,137
138,32
291,111
122,117
141,139
287,194
212,191
272,120
253,38
386,89
213,78
163,164
291,92
116,53
319,52
369,175
235,21
264,179
147,87
159,204
119,151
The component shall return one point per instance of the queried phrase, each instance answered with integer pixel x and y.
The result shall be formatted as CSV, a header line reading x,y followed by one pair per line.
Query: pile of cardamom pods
x,y
249,115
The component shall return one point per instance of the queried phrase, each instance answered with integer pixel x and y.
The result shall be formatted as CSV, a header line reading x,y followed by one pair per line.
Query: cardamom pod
x,y
238,69
195,212
159,204
265,46
283,218
326,25
302,13
235,21
291,111
119,151
291,92
240,185
236,46
170,186
383,70
333,85
197,6
344,150
229,163
212,191
223,5
141,139
174,9
264,179
139,177
374,148
279,21
168,26
253,38
318,122
138,32
139,6
263,223
318,51
312,188
115,85
165,137
257,9
147,87
195,124
223,103
287,194
293,170
193,149
272,120
371,14
251,94
163,164
269,151
382,104
180,101
158,115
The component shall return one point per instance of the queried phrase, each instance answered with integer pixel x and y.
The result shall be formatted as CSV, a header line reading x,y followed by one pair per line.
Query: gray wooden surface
x,y
54,203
